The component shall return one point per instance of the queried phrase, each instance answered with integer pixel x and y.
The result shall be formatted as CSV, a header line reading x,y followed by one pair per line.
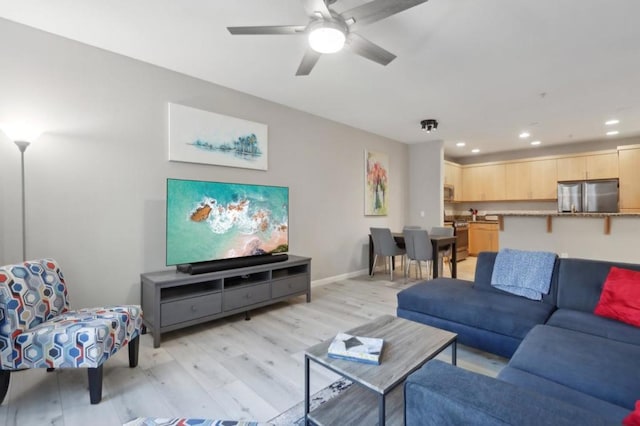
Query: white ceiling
x,y
485,69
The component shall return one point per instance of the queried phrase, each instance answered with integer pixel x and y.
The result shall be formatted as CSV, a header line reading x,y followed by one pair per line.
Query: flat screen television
x,y
215,221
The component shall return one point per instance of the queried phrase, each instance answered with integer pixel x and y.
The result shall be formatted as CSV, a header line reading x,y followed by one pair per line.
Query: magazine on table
x,y
356,348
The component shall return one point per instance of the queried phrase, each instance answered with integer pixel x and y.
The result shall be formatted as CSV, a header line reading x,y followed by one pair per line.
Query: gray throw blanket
x,y
523,273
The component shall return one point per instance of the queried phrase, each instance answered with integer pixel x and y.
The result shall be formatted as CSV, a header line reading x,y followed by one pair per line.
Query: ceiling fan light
x,y
326,39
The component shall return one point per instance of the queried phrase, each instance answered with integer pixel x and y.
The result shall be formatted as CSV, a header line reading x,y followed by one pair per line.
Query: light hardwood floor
x,y
226,369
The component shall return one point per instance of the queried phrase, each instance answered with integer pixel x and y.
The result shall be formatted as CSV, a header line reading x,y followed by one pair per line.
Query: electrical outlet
x,y
422,213
564,255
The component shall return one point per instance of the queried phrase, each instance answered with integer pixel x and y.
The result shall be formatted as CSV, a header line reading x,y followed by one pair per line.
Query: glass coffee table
x,y
407,346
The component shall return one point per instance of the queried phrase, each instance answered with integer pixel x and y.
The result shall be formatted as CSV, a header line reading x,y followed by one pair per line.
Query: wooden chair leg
x,y
5,376
134,347
95,384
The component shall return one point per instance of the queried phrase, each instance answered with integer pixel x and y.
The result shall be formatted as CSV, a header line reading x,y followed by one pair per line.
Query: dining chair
x,y
445,231
385,245
419,248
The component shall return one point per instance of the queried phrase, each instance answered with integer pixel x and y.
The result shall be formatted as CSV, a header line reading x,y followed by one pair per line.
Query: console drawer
x,y
245,296
291,285
178,311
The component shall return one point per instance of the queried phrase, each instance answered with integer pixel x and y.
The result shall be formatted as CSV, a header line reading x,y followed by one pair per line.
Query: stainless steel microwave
x,y
449,190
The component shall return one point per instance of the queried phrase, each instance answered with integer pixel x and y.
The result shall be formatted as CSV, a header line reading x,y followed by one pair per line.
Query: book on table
x,y
356,348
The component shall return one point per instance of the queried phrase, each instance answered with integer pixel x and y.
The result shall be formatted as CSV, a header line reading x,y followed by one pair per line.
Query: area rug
x,y
157,421
295,415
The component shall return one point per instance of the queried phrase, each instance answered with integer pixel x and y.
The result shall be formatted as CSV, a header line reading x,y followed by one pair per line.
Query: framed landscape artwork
x,y
197,136
376,187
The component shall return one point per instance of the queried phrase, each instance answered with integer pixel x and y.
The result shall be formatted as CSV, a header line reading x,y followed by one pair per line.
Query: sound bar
x,y
224,264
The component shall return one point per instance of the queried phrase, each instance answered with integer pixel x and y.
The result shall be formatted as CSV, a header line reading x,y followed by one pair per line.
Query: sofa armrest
x,y
441,394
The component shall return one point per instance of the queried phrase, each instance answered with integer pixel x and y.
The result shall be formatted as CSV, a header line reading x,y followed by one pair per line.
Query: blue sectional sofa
x,y
567,366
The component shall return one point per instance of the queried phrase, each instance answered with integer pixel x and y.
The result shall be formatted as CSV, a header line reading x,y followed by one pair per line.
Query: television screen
x,y
213,220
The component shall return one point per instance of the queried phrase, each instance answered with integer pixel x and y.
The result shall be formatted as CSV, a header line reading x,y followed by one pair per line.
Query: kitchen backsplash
x,y
461,210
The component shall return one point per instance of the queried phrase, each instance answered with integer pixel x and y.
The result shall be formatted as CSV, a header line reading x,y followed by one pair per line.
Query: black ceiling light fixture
x,y
429,124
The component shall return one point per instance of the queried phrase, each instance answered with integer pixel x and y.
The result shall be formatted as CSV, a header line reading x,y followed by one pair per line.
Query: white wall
x,y
4,158
96,179
426,177
579,237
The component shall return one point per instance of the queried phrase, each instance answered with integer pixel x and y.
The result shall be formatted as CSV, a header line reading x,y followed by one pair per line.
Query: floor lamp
x,y
22,146
20,134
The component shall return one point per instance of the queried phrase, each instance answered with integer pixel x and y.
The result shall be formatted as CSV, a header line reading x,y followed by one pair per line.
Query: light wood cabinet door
x,y
596,166
572,168
544,180
471,186
483,237
518,181
629,164
602,166
493,182
453,176
483,183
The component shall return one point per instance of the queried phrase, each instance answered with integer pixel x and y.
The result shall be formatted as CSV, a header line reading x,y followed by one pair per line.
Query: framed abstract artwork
x,y
198,136
376,187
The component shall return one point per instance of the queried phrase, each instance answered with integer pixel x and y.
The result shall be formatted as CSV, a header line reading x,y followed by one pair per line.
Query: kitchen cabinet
x,y
453,176
483,183
531,180
483,237
594,166
629,169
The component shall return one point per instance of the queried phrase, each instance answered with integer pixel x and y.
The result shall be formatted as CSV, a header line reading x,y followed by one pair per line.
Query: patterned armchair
x,y
37,329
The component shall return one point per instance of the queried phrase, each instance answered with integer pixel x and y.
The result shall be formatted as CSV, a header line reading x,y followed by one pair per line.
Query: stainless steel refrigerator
x,y
593,196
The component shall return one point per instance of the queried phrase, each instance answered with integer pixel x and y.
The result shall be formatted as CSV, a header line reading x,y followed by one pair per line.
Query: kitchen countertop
x,y
557,214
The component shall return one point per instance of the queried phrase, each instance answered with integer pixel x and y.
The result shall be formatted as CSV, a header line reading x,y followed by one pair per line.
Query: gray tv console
x,y
172,300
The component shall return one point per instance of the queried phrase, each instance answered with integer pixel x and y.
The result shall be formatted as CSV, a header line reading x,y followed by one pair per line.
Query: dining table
x,y
438,242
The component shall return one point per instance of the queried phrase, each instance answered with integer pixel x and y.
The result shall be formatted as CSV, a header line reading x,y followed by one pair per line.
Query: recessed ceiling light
x,y
535,142
612,133
460,144
524,135
611,122
475,150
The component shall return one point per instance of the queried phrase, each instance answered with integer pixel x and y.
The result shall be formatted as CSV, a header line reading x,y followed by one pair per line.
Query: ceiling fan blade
x,y
271,29
364,47
316,6
376,10
308,62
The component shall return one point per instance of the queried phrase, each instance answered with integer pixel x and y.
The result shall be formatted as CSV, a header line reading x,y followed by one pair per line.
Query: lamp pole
x,y
22,146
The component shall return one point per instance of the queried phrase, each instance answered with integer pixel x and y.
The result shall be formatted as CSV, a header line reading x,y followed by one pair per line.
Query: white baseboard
x,y
335,278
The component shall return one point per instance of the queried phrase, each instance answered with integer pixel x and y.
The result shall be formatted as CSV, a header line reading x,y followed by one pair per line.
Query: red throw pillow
x,y
620,298
633,419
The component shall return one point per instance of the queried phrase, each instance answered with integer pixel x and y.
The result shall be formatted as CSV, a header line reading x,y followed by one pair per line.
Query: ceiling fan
x,y
329,31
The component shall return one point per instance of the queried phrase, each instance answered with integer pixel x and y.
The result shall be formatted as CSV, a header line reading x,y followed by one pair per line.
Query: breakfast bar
x,y
607,236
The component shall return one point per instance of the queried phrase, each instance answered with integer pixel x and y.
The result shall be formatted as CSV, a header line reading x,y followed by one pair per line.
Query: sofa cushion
x,y
554,390
484,271
441,394
603,368
580,282
586,322
620,298
468,335
458,301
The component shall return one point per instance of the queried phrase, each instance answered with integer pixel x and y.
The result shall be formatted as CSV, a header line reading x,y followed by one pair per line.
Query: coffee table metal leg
x,y
381,413
306,390
454,352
